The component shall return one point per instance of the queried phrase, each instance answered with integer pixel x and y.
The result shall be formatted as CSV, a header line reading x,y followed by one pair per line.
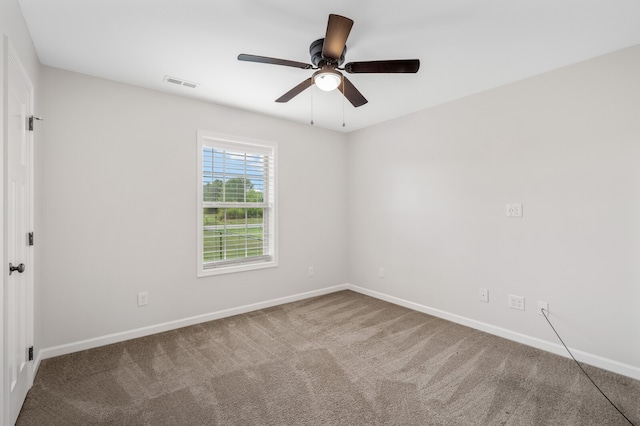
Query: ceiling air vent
x,y
180,82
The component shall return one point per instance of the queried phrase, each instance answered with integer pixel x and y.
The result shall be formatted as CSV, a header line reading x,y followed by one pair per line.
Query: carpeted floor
x,y
340,359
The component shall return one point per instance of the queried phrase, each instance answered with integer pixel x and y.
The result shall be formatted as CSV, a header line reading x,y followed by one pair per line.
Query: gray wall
x,y
422,196
428,194
119,202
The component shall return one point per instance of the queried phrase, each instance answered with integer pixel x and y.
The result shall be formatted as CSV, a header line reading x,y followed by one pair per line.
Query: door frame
x,y
9,57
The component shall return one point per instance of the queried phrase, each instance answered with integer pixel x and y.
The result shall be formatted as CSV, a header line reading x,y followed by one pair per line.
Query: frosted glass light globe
x,y
327,80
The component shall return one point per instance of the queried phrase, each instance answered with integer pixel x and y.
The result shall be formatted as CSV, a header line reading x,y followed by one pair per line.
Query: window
x,y
236,204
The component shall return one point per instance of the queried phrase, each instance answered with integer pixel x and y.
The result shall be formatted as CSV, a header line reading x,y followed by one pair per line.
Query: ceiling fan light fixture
x,y
327,79
327,55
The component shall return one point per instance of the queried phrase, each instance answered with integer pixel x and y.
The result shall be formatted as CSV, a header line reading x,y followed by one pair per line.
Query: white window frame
x,y
208,139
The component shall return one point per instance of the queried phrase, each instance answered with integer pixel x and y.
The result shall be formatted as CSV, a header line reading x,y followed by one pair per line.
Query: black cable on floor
x,y
583,370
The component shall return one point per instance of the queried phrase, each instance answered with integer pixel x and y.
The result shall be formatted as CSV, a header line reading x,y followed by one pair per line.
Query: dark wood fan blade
x,y
338,29
394,66
351,93
295,91
273,61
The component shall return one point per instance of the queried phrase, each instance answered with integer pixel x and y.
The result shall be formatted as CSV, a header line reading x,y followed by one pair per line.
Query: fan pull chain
x,y
343,125
312,106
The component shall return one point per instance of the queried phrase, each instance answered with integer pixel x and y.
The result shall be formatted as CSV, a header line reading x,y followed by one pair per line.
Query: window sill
x,y
232,269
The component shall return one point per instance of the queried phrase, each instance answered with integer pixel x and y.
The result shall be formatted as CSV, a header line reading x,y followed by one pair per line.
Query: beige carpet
x,y
340,359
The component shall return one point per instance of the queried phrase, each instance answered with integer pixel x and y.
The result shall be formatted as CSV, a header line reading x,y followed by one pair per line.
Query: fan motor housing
x,y
315,50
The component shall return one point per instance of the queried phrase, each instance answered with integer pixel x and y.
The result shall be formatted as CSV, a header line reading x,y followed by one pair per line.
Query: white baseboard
x,y
555,348
173,325
583,357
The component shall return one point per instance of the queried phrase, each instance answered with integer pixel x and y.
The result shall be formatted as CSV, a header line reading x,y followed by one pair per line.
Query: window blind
x,y
237,204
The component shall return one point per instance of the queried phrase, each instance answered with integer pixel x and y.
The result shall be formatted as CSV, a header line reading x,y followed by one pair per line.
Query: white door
x,y
19,301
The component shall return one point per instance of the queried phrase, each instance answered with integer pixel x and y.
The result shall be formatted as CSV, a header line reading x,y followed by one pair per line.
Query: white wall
x,y
119,203
427,203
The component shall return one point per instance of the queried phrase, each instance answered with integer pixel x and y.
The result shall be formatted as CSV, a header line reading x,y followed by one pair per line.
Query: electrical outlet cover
x,y
484,295
143,298
516,302
543,305
514,210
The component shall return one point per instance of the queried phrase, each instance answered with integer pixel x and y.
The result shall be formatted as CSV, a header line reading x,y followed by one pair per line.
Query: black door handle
x,y
19,268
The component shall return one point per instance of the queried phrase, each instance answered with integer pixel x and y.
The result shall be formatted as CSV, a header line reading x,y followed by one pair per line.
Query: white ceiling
x,y
465,47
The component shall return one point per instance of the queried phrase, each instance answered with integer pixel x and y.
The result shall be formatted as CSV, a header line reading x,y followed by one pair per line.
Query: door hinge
x,y
31,353
30,238
31,121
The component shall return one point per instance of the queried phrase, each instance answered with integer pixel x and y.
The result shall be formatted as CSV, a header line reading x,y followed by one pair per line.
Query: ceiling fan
x,y
327,55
